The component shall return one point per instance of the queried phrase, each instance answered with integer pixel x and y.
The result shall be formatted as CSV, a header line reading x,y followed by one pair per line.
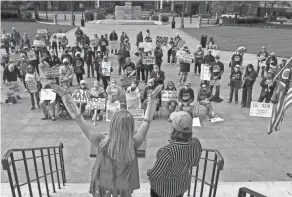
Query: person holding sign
x,y
78,34
186,98
32,81
205,98
113,37
97,92
133,88
10,74
216,70
105,76
34,59
262,57
83,87
116,158
268,86
158,56
208,58
249,78
184,67
170,105
129,68
113,92
199,55
25,42
66,74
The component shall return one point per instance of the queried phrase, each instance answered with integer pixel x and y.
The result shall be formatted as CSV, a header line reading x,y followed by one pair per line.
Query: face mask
x,y
133,86
82,86
22,59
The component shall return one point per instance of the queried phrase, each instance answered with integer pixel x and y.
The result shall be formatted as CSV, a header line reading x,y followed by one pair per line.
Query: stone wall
x,y
128,12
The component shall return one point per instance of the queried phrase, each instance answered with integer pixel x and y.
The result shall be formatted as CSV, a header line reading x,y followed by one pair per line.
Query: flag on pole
x,y
284,93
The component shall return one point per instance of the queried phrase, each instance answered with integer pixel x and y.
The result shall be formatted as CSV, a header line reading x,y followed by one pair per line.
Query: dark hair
x,y
180,136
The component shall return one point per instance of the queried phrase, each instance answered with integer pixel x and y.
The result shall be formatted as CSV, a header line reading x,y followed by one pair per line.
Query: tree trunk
x,y
36,10
18,13
182,16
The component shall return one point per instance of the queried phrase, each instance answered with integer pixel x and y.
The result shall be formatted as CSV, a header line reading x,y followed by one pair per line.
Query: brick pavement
x,y
249,153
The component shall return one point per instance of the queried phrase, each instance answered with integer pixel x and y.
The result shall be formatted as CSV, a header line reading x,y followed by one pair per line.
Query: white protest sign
x,y
205,72
133,100
3,52
48,94
181,43
196,122
97,103
138,114
14,58
42,32
166,47
106,68
114,45
148,46
167,96
112,108
31,85
60,35
261,109
148,60
94,42
186,58
39,43
31,55
81,96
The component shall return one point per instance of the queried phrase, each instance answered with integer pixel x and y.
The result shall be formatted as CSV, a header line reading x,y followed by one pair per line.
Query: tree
x,y
274,6
18,5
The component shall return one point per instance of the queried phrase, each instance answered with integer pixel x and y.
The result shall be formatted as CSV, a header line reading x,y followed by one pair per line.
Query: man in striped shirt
x,y
170,176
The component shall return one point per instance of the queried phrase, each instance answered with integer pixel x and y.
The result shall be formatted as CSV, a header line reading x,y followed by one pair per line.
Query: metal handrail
x,y
8,161
218,164
243,191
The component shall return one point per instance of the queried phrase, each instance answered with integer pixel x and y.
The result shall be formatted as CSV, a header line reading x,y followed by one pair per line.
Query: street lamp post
x,y
182,16
72,16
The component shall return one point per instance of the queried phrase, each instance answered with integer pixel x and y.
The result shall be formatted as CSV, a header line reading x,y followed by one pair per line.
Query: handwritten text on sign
x,y
138,114
205,72
48,94
14,58
148,60
31,85
148,46
111,109
31,55
114,45
167,96
51,72
97,103
261,109
81,96
106,68
127,81
133,100
186,58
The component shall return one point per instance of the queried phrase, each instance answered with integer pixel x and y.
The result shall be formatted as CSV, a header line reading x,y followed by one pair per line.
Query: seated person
x,y
133,88
51,103
157,75
113,92
84,88
186,98
147,92
205,98
97,92
170,105
129,68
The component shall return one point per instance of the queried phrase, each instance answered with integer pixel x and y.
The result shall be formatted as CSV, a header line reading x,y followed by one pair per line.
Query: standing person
x,y
236,59
271,63
105,79
216,70
75,49
208,58
15,35
148,67
47,40
170,105
25,42
184,67
78,65
83,87
235,83
210,43
33,77
158,76
249,79
203,40
175,159
35,62
262,57
86,40
113,37
121,60
158,54
54,45
67,56
97,92
268,86
97,62
79,35
95,46
139,39
280,66
169,52
140,67
66,74
53,61
22,65
103,43
60,40
89,58
64,42
199,56
148,38
10,74
127,47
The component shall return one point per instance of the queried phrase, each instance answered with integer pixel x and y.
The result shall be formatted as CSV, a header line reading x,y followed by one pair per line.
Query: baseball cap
x,y
82,82
187,83
181,121
237,66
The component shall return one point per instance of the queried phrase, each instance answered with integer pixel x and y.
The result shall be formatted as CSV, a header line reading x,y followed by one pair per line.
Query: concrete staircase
x,y
126,22
225,189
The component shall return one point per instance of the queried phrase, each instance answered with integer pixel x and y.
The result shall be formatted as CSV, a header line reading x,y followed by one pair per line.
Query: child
x,y
32,81
235,83
10,74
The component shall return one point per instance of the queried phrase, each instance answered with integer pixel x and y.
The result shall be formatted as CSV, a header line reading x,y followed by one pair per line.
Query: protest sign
x,y
181,43
60,35
48,95
148,60
205,72
106,68
166,47
148,46
31,85
186,58
112,108
97,103
138,114
127,81
42,32
261,109
114,45
196,122
51,72
94,42
158,40
31,55
167,96
14,58
133,100
39,43
12,88
3,52
81,96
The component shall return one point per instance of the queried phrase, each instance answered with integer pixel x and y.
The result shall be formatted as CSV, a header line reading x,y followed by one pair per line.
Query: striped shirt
x,y
170,176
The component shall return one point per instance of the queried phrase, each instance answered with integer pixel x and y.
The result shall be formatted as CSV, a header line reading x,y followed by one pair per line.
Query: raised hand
x,y
155,92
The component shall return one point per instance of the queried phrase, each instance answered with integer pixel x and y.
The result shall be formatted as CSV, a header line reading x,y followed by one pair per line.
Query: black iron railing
x,y
202,175
244,191
54,158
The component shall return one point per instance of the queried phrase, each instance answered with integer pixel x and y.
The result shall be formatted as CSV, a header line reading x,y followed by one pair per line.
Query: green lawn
x,y
229,38
31,27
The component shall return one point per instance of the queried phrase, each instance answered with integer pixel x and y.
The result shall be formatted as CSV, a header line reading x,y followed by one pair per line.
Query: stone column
x,y
157,5
97,3
161,4
172,5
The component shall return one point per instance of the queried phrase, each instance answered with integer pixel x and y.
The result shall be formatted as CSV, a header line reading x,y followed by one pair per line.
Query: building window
x,y
81,5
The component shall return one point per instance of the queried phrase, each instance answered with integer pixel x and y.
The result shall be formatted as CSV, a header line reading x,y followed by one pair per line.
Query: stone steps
x,y
225,189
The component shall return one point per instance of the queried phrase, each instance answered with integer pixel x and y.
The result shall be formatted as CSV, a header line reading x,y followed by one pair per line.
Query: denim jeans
x,y
37,96
234,90
246,96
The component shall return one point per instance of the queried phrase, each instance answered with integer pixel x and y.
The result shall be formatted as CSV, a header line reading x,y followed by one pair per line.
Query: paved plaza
x,y
249,153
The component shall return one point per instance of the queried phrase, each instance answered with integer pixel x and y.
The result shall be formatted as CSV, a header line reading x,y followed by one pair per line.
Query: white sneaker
x,y
25,90
97,118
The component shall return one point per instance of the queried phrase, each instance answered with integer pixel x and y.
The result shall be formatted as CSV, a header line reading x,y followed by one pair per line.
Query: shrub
x,y
89,15
110,10
165,18
100,16
28,15
155,18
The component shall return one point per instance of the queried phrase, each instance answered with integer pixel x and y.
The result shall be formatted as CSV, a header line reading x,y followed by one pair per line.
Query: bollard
x,y
191,18
160,17
74,17
200,22
208,20
56,19
65,17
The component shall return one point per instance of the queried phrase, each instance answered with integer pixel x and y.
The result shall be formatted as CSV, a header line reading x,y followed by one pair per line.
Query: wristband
x,y
71,106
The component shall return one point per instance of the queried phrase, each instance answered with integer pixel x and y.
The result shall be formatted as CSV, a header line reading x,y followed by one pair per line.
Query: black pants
x,y
169,54
262,72
198,67
79,77
246,96
234,90
105,81
121,65
60,45
37,96
23,80
217,91
147,72
140,72
90,68
154,194
265,96
55,47
35,66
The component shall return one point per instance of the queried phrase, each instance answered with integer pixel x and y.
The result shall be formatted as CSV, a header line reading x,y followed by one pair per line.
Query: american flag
x,y
284,93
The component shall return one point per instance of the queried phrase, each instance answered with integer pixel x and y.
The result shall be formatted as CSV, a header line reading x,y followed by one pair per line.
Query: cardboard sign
x,y
112,108
205,73
42,32
94,42
148,60
106,68
133,100
31,55
14,58
127,81
48,95
261,109
186,58
31,85
166,47
81,96
12,88
51,72
39,43
167,96
181,43
138,114
148,46
3,53
97,103
114,45
60,35
196,122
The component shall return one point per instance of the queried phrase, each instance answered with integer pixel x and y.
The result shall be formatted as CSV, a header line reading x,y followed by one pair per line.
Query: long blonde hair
x,y
119,143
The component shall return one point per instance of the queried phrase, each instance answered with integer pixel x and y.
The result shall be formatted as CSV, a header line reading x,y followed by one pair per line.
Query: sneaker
x,y
236,102
45,117
67,118
18,97
39,106
229,101
32,108
243,106
25,90
53,118
97,118
94,124
199,74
